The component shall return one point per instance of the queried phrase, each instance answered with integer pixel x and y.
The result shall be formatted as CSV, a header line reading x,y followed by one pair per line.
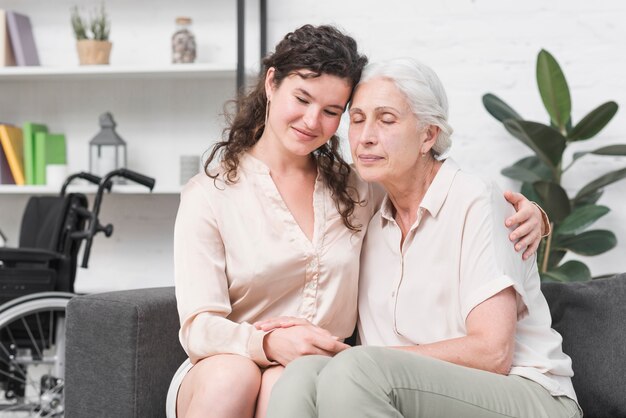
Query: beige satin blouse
x,y
240,257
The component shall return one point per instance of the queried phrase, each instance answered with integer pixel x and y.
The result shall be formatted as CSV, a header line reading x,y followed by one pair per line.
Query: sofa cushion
x,y
591,317
122,351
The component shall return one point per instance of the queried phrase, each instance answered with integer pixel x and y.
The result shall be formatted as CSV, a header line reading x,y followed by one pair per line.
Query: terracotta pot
x,y
92,52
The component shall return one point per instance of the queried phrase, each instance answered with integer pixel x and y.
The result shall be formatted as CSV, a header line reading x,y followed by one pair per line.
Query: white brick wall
x,y
491,46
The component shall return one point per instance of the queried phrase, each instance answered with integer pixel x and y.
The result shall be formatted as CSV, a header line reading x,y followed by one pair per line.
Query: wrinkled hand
x,y
284,345
529,221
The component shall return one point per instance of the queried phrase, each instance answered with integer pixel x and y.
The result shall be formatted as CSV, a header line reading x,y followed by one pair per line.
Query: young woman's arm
x,y
532,224
202,286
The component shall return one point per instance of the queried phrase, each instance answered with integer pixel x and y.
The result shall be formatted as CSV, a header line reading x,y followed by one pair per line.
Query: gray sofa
x,y
122,348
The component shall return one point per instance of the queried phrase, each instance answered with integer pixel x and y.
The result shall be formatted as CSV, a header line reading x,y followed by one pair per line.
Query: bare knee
x,y
226,385
270,376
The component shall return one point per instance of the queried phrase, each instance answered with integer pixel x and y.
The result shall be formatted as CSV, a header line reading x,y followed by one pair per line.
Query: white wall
x,y
480,46
475,46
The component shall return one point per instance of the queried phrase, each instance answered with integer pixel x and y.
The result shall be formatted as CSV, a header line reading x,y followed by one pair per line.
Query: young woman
x,y
275,229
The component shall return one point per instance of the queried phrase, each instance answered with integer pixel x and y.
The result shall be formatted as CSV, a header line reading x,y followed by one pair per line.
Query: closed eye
x,y
388,119
301,100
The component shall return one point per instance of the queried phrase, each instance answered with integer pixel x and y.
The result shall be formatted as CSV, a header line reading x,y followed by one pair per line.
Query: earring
x,y
267,110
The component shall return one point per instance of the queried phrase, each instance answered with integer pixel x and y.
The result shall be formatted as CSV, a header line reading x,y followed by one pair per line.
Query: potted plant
x,y
541,173
92,38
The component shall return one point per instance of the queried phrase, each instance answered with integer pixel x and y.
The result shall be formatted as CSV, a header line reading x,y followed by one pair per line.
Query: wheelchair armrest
x,y
28,255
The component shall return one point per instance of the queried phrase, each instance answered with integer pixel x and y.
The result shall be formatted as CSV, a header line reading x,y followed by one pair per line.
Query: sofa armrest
x,y
590,316
122,351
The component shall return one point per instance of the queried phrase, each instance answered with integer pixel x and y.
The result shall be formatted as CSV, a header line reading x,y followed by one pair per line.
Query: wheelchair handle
x,y
136,177
86,176
94,223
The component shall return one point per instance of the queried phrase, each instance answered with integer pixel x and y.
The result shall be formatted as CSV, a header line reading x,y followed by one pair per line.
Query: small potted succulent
x,y
92,38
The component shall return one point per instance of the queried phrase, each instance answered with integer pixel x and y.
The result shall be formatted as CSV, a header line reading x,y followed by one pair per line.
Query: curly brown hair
x,y
320,50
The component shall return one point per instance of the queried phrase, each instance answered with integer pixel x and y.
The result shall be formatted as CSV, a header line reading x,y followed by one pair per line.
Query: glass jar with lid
x,y
183,42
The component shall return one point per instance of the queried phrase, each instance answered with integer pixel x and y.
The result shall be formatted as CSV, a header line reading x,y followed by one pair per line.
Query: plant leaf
x,y
604,276
554,200
619,149
544,277
594,122
568,126
599,183
590,199
520,174
581,218
593,242
528,169
553,88
555,258
546,142
529,192
570,271
498,109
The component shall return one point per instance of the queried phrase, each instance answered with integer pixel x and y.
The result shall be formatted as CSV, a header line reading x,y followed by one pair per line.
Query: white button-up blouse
x,y
240,257
455,256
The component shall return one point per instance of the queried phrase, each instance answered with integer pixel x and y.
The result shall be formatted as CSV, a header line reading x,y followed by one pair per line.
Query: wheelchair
x,y
36,284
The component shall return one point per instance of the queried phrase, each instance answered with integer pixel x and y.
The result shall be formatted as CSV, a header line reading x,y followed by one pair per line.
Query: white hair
x,y
423,90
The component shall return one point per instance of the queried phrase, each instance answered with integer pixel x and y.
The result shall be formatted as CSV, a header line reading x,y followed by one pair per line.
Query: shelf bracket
x,y
241,33
241,36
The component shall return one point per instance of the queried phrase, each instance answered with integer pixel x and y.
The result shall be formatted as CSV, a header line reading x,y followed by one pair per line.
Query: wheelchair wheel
x,y
32,355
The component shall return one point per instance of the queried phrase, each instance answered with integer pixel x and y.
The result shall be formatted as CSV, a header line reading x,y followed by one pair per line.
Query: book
x,y
5,171
6,51
29,130
49,149
11,141
22,39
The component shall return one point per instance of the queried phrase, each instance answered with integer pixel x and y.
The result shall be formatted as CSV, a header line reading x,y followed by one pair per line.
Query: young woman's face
x,y
305,112
384,137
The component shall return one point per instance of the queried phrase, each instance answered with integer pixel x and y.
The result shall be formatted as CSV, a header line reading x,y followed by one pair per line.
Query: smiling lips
x,y
304,134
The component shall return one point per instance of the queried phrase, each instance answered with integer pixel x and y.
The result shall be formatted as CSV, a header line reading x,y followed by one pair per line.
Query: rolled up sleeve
x,y
489,263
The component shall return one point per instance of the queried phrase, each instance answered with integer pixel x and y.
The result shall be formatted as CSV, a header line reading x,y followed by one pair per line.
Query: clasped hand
x,y
291,338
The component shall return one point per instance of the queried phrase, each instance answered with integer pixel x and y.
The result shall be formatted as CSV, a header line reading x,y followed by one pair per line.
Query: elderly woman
x,y
454,324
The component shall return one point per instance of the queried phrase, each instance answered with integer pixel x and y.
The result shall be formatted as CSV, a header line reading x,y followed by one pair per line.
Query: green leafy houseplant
x,y
541,174
99,25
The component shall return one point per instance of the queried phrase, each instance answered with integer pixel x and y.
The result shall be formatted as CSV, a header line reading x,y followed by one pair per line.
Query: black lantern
x,y
107,150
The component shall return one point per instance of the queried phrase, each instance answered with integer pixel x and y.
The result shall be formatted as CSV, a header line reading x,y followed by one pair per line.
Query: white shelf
x,y
167,71
86,189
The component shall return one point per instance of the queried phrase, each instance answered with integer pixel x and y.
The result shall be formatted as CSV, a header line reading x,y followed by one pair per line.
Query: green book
x,y
28,132
49,149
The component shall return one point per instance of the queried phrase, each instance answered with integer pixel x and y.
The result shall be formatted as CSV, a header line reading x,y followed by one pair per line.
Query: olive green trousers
x,y
380,382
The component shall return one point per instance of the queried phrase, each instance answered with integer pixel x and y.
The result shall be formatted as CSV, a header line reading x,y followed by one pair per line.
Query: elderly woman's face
x,y
384,136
